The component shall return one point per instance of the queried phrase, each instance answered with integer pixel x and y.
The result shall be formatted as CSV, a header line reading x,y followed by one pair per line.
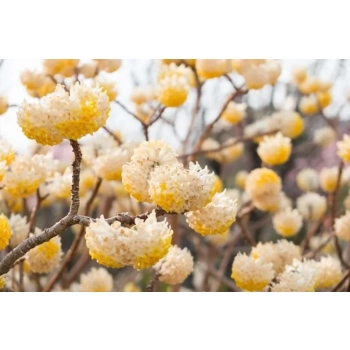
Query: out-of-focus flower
x,y
324,241
218,240
307,179
309,105
109,166
324,136
324,99
329,179
230,153
26,175
290,124
107,87
5,232
251,274
344,148
309,86
65,67
46,256
299,74
279,254
96,280
89,70
287,222
179,71
234,112
176,266
37,84
60,184
142,94
262,182
215,218
208,69
109,66
19,229
7,153
3,105
241,178
342,227
211,144
172,91
141,246
131,287
312,206
275,150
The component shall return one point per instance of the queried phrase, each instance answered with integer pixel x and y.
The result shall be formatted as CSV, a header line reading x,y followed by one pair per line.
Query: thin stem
x,y
115,137
153,283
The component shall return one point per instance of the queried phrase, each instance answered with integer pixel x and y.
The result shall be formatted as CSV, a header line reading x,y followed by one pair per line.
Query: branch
x,y
55,230
210,126
230,144
153,282
115,137
78,237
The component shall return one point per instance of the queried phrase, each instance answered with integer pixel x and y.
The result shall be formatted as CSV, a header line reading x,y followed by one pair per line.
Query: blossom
x,y
296,278
96,280
275,150
299,74
142,94
88,112
241,178
168,70
7,153
209,68
324,98
176,265
60,115
37,84
324,136
106,87
60,184
89,70
46,256
309,85
218,240
280,254
109,66
231,150
287,222
342,226
176,189
234,112
328,272
19,229
329,179
307,179
312,206
215,218
146,157
26,175
5,232
250,274
109,165
262,182
172,91
344,148
140,246
65,67
309,105
3,105
290,124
